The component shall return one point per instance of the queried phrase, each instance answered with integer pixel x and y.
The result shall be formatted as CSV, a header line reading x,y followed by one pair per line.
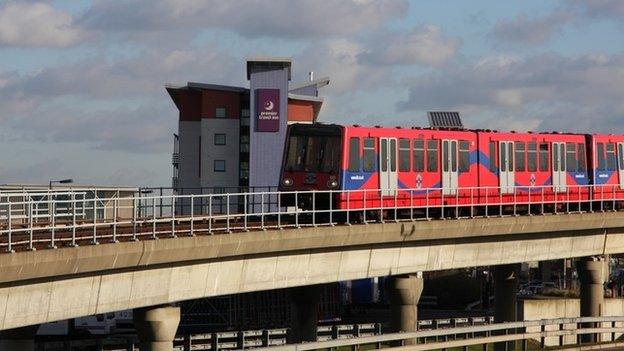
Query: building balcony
x,y
175,158
174,182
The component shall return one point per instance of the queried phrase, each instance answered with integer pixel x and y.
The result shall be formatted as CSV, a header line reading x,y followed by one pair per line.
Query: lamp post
x,y
60,181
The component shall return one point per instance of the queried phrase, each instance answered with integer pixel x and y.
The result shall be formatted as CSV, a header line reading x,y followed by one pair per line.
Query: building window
x,y
244,121
219,139
244,170
219,165
244,143
220,112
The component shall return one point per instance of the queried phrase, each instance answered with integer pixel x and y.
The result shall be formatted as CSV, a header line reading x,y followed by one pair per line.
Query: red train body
x,y
424,167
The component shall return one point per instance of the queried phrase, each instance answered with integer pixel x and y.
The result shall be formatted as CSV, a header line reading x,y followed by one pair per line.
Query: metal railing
x,y
603,329
71,221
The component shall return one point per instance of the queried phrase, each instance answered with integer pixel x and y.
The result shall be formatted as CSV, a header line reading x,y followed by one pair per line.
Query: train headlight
x,y
287,182
332,184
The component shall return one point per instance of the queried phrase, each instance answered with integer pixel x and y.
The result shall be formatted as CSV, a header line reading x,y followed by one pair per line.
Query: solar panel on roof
x,y
443,119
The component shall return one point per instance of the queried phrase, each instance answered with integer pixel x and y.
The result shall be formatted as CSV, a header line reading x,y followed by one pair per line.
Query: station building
x,y
232,137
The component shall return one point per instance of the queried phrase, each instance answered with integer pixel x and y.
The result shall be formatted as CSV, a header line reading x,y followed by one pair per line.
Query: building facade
x,y
228,139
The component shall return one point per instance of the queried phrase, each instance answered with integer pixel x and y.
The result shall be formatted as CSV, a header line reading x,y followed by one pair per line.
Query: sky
x,y
82,82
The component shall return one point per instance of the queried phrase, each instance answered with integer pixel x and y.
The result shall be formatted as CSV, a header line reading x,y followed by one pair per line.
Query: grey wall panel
x,y
228,152
310,90
188,174
266,148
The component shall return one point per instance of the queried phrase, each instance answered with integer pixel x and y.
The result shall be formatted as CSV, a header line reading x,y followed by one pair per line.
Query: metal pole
x,y
94,242
191,233
9,225
115,212
154,217
73,199
173,216
134,217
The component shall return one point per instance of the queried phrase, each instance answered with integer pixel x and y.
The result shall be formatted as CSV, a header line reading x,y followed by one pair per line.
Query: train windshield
x,y
313,150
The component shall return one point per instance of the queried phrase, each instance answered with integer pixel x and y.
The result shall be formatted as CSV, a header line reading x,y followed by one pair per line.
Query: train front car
x,y
311,161
526,171
607,170
407,171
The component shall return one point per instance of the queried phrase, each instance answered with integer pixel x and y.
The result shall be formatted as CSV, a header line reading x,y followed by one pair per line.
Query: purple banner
x,y
267,110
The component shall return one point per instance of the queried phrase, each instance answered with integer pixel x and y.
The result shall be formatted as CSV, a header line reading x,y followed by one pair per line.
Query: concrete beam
x,y
593,227
169,270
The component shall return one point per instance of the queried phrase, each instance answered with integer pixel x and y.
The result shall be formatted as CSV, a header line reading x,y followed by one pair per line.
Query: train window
x,y
369,155
453,150
493,157
621,156
532,157
384,155
520,156
503,157
600,156
510,157
582,162
393,154
404,155
571,157
419,155
354,155
445,163
432,156
464,156
611,157
543,157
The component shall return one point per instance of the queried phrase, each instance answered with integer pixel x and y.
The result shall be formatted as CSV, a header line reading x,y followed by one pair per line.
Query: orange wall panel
x,y
300,111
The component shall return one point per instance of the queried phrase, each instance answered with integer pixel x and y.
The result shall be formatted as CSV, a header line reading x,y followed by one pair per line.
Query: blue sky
x,y
82,82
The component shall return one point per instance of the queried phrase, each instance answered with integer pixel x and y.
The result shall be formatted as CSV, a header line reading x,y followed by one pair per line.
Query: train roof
x,y
458,129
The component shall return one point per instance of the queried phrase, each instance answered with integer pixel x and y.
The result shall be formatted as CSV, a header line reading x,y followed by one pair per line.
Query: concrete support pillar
x,y
404,293
304,304
505,298
20,339
156,327
591,272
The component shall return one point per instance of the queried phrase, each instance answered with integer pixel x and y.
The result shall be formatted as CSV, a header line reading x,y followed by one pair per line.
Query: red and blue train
x,y
377,167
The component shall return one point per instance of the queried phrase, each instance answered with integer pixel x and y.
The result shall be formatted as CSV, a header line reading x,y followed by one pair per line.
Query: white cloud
x,y
425,46
25,24
523,29
580,93
249,18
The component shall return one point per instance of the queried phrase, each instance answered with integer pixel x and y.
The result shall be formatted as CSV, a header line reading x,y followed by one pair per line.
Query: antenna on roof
x,y
445,119
311,74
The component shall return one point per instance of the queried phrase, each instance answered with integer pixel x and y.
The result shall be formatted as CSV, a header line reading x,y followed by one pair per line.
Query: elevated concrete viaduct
x,y
42,286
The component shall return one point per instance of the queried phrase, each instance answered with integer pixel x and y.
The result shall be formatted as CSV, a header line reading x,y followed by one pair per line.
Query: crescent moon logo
x,y
268,105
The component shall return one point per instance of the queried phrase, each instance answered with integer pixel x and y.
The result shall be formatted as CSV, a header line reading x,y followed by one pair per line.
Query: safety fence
x,y
69,218
600,332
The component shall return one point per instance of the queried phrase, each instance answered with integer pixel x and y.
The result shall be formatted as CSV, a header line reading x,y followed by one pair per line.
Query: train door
x,y
388,178
559,176
506,165
620,157
449,167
